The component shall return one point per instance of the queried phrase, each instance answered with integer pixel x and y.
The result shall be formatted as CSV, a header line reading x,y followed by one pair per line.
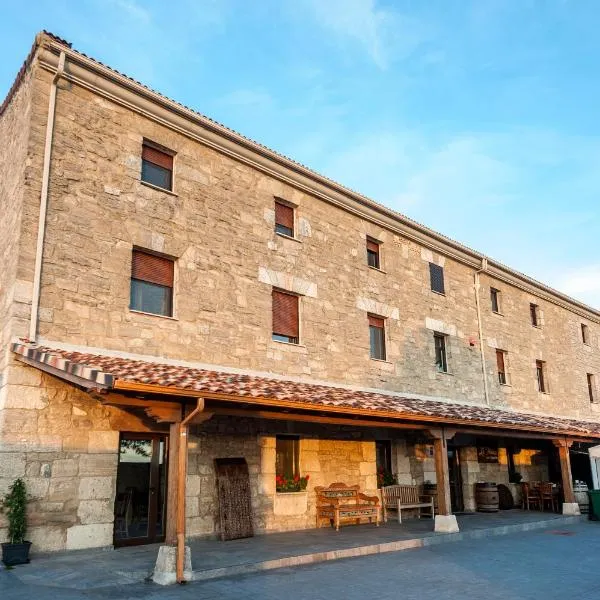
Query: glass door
x,y
140,503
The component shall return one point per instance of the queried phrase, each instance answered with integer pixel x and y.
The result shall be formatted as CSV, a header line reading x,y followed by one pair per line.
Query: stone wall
x,y
218,224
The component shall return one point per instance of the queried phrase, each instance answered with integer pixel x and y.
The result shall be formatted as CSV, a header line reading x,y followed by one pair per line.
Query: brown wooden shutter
x,y
284,215
376,321
151,268
285,314
500,361
372,246
162,159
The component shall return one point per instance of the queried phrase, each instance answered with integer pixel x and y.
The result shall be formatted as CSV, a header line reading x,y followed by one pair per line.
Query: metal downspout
x,y
477,286
39,251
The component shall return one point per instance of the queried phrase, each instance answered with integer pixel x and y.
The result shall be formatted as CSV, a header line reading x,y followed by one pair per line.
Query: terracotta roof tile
x,y
106,370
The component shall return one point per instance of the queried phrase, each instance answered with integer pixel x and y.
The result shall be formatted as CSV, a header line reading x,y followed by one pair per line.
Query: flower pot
x,y
15,554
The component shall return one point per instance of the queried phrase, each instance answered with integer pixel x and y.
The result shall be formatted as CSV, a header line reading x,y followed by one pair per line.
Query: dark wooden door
x,y
140,501
235,508
456,493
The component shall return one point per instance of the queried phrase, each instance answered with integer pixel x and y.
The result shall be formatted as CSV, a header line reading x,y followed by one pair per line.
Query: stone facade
x,y
218,224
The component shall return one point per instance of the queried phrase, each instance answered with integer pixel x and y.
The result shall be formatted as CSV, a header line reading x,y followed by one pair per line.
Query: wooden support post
x,y
182,452
445,521
171,533
563,446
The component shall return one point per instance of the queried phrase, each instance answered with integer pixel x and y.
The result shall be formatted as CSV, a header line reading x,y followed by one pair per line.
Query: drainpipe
x,y
477,286
39,252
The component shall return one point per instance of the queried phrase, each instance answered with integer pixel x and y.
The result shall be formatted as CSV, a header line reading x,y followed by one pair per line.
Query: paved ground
x,y
550,564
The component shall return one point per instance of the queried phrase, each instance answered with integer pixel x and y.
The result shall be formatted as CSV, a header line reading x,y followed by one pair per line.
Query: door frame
x,y
457,501
154,474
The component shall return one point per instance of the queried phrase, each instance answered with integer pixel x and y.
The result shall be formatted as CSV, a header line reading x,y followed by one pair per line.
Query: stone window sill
x,y
141,312
158,188
438,293
381,361
497,313
377,269
288,237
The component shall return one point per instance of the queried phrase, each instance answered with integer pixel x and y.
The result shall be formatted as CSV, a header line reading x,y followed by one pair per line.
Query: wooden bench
x,y
400,497
340,503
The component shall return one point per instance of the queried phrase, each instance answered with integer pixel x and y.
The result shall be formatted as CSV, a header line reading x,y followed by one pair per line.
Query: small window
x,y
383,461
285,317
377,337
436,275
284,219
495,299
534,311
157,166
373,258
591,383
540,372
441,362
585,334
287,455
151,283
501,365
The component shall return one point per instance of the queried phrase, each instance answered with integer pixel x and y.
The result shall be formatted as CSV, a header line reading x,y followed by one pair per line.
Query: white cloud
x,y
582,282
385,35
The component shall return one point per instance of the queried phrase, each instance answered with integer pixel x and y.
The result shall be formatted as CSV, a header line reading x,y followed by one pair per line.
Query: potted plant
x,y
296,483
16,550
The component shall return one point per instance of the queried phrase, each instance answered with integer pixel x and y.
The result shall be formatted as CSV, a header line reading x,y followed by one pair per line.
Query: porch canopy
x,y
182,394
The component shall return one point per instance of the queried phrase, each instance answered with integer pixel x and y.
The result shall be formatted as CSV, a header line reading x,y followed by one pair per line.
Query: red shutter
x,y
156,157
285,314
500,361
376,322
284,215
372,246
151,268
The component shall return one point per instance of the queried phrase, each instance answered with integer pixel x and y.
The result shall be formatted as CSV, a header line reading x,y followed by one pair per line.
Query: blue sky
x,y
478,118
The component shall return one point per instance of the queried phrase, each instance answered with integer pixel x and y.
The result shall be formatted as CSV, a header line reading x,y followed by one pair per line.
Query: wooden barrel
x,y
486,497
580,489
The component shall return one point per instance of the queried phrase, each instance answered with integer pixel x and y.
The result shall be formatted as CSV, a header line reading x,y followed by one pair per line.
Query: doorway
x,y
140,502
456,492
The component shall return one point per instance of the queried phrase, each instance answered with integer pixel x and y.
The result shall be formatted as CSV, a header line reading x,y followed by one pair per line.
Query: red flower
x,y
307,477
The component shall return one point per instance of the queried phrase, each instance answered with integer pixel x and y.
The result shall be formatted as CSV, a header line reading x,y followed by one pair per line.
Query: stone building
x,y
167,283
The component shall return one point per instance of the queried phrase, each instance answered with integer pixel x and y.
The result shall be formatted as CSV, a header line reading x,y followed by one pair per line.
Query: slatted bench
x,y
341,503
400,497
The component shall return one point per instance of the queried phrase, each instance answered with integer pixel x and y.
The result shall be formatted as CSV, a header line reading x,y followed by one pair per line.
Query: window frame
x,y
534,315
372,319
281,337
170,289
373,253
495,296
295,458
281,228
541,376
501,356
154,147
435,269
585,334
591,383
439,343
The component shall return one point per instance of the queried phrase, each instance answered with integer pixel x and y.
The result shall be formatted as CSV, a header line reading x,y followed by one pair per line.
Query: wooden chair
x,y
530,498
399,497
547,495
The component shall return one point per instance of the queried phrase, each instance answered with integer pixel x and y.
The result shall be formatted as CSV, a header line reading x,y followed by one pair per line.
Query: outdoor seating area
x,y
339,503
399,497
540,495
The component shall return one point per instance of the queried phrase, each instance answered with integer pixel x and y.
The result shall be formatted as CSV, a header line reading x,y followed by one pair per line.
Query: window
x,y
436,275
495,299
157,166
373,259
534,311
377,337
591,382
501,364
585,334
151,283
383,461
284,219
285,317
540,372
287,455
441,361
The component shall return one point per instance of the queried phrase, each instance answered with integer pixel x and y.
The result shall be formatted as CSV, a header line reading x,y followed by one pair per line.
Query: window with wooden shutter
x,y
540,371
436,276
157,166
377,337
373,258
284,219
285,317
534,314
152,283
585,336
441,361
287,455
501,366
495,299
591,383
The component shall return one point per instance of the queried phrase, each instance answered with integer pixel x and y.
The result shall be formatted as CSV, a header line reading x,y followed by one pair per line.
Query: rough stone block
x,y
93,465
47,538
13,464
65,467
95,511
104,442
96,488
89,536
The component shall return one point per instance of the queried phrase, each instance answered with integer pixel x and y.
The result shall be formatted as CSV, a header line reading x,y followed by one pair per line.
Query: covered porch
x,y
205,416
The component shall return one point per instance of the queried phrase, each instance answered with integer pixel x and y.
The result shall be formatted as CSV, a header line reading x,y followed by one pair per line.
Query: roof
x,y
515,277
118,372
